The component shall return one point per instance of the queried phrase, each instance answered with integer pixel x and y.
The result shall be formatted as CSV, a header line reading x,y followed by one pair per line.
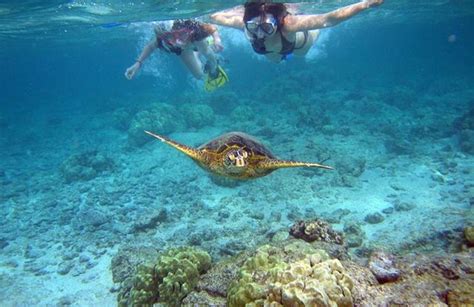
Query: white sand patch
x,y
89,289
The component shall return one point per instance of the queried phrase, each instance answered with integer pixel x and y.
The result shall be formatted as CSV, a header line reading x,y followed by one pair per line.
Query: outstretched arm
x,y
212,30
233,17
132,70
217,47
295,23
147,51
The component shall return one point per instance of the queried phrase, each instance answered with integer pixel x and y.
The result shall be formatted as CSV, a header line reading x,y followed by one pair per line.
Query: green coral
x,y
85,166
145,287
298,275
197,115
174,275
161,118
178,272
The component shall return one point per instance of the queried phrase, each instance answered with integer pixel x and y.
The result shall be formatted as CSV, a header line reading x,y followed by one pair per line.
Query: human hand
x,y
217,46
373,3
132,70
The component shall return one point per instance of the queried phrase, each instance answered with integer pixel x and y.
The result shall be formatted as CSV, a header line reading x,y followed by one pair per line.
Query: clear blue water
x,y
389,87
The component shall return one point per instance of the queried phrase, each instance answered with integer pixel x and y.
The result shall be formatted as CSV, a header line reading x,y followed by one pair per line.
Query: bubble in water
x,y
452,38
156,65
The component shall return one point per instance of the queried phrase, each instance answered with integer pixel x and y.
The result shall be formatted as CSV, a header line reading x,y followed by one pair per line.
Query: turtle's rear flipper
x,y
191,152
276,164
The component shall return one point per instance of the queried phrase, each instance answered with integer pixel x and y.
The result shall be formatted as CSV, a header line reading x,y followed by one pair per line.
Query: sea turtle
x,y
235,155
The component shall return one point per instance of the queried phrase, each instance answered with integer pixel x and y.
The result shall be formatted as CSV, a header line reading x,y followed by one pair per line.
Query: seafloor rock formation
x,y
354,235
349,171
374,218
316,230
297,273
197,115
465,127
162,118
242,113
121,118
382,265
469,235
85,166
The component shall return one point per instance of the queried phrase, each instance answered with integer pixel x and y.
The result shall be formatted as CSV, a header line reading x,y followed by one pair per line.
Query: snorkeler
x,y
275,32
188,39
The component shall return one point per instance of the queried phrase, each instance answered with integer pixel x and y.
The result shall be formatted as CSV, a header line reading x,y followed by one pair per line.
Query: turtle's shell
x,y
223,142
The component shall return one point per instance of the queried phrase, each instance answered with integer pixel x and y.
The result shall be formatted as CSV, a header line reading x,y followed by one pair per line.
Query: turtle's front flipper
x,y
276,164
192,152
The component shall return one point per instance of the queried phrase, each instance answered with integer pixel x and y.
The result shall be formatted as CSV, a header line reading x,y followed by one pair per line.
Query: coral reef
x,y
425,280
121,118
316,230
465,127
222,102
242,113
85,166
197,115
402,97
469,235
151,221
313,116
174,275
466,141
297,273
178,271
374,218
403,206
276,277
348,171
160,118
466,121
127,260
211,289
353,234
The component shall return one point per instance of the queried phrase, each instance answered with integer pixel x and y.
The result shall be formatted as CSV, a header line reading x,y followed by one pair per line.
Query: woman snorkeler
x,y
188,40
276,33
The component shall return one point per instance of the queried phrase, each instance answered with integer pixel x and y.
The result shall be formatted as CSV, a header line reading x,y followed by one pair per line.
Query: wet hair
x,y
261,7
198,30
185,24
161,28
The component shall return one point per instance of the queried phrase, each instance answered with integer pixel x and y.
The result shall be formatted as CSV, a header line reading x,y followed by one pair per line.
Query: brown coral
x,y
316,230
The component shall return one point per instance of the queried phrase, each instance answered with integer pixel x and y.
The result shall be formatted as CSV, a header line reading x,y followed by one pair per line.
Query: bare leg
x,y
192,62
203,48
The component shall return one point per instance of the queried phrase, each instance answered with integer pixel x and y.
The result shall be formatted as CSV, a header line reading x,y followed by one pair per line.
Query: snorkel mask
x,y
261,26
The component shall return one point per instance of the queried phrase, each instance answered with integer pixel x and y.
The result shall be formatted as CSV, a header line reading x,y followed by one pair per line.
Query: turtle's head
x,y
236,159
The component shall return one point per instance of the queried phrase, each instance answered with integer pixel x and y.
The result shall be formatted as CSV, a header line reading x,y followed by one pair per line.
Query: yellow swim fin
x,y
212,84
